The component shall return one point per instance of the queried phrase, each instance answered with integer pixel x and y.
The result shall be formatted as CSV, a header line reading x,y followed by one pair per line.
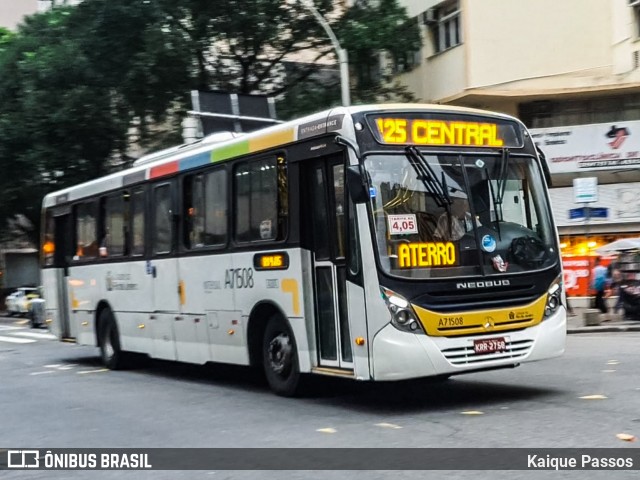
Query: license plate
x,y
489,345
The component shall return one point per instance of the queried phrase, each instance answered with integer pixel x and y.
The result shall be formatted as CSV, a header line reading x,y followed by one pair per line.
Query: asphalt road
x,y
58,395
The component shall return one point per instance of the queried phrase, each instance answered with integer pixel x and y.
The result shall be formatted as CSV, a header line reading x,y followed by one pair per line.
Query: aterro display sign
x,y
599,146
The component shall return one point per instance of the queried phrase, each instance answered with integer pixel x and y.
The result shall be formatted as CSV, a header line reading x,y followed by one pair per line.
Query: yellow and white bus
x,y
378,243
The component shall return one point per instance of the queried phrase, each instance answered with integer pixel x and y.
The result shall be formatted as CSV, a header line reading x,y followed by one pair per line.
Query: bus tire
x,y
109,341
280,357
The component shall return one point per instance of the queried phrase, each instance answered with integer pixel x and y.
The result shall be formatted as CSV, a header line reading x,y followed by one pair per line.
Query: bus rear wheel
x,y
109,341
280,357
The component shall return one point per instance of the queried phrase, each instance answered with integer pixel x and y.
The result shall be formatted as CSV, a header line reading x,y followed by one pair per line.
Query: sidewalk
x,y
611,322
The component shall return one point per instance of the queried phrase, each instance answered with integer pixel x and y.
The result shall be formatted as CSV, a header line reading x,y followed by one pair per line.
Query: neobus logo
x,y
485,284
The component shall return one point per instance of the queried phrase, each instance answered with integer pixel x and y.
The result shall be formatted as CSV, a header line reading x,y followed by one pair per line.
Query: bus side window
x,y
48,246
259,213
193,215
86,231
113,229
136,204
163,225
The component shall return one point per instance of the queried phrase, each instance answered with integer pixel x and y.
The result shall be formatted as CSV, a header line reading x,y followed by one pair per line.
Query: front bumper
x,y
398,355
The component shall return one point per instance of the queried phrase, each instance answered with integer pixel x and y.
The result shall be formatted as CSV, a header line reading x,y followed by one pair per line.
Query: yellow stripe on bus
x,y
264,142
290,285
481,321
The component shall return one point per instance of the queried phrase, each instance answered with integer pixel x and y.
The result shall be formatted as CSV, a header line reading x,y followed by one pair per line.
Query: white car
x,y
18,302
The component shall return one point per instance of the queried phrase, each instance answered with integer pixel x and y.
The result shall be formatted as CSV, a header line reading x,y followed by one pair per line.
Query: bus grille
x,y
466,356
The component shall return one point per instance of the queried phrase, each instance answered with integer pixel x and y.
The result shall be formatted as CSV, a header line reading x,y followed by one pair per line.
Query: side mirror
x,y
358,190
545,166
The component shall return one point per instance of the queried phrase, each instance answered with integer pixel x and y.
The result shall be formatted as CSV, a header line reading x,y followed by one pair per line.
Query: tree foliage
x,y
84,88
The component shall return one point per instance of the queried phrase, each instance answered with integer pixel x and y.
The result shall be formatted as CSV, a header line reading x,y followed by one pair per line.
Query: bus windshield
x,y
459,215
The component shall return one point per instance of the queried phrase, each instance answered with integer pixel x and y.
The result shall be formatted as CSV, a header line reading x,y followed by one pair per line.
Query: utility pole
x,y
343,58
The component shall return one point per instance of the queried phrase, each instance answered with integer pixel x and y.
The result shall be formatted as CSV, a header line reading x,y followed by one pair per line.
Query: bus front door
x,y
325,235
62,254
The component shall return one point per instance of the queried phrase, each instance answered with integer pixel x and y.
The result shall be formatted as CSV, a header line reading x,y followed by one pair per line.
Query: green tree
x,y
371,28
83,87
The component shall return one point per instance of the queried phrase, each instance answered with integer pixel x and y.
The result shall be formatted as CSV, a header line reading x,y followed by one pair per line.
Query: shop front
x,y
609,154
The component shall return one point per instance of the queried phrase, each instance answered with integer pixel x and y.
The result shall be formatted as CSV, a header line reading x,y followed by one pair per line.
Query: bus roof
x,y
217,148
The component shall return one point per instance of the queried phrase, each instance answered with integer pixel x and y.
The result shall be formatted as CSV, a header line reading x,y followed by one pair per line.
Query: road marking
x,y
15,340
9,327
39,335
472,412
82,372
61,366
593,397
21,322
608,371
613,362
68,367
326,430
388,425
42,373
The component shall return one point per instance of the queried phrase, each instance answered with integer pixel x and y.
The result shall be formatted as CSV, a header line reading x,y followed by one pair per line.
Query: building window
x,y
615,108
444,26
636,17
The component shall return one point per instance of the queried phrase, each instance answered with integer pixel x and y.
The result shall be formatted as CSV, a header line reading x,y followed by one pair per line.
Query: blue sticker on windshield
x,y
372,192
488,243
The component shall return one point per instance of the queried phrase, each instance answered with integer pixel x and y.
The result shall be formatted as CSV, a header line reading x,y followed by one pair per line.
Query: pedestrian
x,y
599,284
616,286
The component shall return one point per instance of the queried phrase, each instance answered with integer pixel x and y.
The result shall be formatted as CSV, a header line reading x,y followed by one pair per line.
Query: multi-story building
x,y
570,70
12,12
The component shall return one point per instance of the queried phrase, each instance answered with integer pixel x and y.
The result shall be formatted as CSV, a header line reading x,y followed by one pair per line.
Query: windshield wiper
x,y
437,188
499,217
501,183
502,175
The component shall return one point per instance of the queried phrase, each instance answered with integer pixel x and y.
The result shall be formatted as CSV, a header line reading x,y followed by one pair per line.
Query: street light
x,y
341,52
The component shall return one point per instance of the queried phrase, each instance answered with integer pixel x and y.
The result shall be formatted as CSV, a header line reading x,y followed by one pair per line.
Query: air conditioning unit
x,y
430,16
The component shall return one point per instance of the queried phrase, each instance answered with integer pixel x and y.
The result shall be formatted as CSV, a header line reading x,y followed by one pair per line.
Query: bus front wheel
x,y
109,341
280,357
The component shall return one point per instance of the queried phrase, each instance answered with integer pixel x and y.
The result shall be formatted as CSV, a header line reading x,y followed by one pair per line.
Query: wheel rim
x,y
107,346
280,352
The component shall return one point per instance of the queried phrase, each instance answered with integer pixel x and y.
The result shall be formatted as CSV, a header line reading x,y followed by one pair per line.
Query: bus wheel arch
x,y
100,317
258,319
273,346
108,338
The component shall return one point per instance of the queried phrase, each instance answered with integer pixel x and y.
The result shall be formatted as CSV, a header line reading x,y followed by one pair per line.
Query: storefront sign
x,y
577,274
600,146
585,190
583,213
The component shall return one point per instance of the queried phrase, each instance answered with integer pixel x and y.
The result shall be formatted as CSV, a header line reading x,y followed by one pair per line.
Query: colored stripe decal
x,y
230,151
237,149
271,140
195,161
133,178
162,170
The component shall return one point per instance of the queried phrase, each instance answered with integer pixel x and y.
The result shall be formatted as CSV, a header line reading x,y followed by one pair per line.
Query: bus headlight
x,y
554,298
402,316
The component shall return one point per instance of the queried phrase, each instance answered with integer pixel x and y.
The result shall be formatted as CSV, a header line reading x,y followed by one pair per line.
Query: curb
x,y
605,329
